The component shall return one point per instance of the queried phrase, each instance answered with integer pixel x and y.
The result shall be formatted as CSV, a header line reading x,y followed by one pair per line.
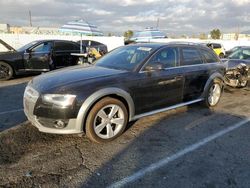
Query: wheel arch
x,y
11,65
113,92
215,76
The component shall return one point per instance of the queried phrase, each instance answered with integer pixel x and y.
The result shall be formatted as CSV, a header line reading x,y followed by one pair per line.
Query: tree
x,y
215,34
203,36
128,34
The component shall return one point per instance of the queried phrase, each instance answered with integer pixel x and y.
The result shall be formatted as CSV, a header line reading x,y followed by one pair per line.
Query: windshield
x,y
235,48
241,53
26,46
125,58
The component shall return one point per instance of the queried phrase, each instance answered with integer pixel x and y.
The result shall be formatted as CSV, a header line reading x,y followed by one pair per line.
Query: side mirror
x,y
154,67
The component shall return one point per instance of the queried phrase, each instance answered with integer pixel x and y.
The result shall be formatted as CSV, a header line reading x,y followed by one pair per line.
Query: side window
x,y
94,43
209,57
167,57
43,47
216,46
191,56
64,46
246,54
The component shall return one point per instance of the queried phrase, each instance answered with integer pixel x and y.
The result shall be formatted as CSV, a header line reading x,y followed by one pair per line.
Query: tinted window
x,y
168,57
94,43
191,56
209,57
43,47
216,46
66,46
125,58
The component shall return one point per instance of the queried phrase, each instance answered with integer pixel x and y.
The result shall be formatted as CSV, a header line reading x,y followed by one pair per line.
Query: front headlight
x,y
59,99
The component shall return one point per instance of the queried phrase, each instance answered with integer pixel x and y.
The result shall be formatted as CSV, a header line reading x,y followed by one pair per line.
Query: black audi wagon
x,y
126,84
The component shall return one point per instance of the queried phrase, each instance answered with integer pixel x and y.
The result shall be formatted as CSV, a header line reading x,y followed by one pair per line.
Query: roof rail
x,y
183,42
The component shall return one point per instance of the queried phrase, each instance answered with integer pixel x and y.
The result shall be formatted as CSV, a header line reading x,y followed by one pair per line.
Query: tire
x,y
221,55
6,71
106,120
213,94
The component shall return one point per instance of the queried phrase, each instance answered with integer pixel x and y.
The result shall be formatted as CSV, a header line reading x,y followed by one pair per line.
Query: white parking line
x,y
177,155
11,111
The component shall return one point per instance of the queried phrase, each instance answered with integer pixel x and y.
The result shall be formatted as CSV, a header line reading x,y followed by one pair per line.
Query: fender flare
x,y
215,75
87,104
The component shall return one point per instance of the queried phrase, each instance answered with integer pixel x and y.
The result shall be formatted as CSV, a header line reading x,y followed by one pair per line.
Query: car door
x,y
195,72
160,88
38,57
62,53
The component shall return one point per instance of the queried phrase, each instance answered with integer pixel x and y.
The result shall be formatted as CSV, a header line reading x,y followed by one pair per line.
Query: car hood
x,y
10,48
10,55
233,63
70,75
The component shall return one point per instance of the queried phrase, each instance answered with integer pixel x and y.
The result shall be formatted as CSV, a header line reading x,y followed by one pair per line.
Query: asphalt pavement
x,y
187,147
11,102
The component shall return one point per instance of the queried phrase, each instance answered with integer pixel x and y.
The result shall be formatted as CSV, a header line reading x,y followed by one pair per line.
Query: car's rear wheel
x,y
6,71
106,120
213,94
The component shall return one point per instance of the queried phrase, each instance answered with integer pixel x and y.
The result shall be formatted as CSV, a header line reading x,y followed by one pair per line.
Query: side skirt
x,y
165,109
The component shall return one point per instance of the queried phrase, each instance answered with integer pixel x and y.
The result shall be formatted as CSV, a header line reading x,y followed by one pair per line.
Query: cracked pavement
x,y
33,159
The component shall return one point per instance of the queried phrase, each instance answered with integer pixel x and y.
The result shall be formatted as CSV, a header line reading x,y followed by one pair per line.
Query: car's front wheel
x,y
213,94
106,120
6,71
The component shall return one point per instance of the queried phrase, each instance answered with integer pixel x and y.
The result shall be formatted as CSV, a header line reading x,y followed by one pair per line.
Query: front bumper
x,y
29,101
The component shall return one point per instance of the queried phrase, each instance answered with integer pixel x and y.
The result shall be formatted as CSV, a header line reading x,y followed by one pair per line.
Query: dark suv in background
x,y
38,56
128,83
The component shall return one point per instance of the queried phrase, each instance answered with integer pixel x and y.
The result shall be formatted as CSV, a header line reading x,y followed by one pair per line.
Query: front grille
x,y
29,100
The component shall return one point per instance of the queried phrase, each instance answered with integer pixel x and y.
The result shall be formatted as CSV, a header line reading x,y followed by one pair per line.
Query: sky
x,y
117,16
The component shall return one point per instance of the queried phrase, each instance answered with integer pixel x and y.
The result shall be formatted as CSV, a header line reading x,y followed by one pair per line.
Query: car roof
x,y
159,45
245,47
54,40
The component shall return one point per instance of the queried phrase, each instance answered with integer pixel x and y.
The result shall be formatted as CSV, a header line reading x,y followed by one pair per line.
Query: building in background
x,y
4,28
35,30
235,36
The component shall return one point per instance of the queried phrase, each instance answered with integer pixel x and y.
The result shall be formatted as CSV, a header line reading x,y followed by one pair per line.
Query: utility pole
x,y
237,34
157,24
30,18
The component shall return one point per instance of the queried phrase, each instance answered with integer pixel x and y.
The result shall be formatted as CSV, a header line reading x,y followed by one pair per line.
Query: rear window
x,y
191,56
209,57
216,46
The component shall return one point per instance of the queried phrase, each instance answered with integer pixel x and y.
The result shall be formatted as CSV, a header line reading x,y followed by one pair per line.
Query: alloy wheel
x,y
214,94
4,71
109,121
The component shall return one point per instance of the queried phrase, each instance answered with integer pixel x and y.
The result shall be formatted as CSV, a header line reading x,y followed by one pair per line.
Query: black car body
x,y
138,80
38,56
